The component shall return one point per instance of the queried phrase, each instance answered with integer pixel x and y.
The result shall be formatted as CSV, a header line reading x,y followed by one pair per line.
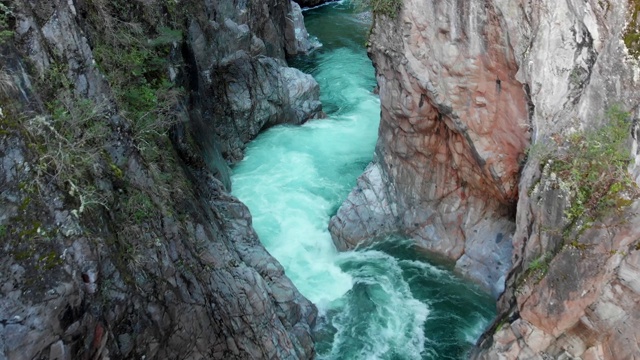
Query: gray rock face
x,y
297,34
244,84
251,94
140,252
366,211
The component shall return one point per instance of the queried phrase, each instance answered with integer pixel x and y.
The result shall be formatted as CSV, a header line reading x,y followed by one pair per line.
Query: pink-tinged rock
x,y
593,353
451,135
629,272
461,85
504,337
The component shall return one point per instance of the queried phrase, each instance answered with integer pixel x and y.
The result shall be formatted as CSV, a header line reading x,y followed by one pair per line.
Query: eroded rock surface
x,y
244,83
117,240
464,87
583,305
452,136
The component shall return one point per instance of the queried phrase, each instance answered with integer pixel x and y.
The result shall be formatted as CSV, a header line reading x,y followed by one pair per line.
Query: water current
x,y
386,301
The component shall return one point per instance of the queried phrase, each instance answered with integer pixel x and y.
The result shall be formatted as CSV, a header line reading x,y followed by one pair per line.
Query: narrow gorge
x,y
423,179
379,302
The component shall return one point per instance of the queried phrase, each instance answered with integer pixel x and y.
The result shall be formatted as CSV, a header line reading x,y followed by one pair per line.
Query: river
x,y
386,301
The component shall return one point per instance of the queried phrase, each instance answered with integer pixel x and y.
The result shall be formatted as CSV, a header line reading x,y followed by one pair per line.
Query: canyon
x,y
119,121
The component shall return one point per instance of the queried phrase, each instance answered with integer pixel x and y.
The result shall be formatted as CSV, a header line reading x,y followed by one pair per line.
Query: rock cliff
x,y
452,137
118,238
572,291
550,228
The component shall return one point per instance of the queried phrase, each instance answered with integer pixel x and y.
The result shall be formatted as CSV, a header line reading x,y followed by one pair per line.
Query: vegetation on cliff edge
x,y
590,168
72,139
595,164
631,35
390,8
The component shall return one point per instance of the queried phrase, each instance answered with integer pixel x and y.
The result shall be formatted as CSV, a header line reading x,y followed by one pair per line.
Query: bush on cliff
x,y
595,165
6,15
590,168
390,8
631,34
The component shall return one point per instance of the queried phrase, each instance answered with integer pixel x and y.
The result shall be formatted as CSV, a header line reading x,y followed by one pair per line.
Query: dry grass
x,y
69,144
7,85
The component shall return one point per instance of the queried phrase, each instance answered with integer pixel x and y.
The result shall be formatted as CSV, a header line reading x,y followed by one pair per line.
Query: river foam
x,y
380,302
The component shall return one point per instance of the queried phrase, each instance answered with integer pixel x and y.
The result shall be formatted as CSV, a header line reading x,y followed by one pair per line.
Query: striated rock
x,y
298,40
366,211
452,135
116,239
583,306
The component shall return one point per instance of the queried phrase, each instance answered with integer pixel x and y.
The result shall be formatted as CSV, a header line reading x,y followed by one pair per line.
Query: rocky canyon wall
x,y
465,87
578,60
118,238
453,132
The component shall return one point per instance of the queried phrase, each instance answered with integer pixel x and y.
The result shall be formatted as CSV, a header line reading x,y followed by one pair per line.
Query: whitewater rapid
x,y
387,301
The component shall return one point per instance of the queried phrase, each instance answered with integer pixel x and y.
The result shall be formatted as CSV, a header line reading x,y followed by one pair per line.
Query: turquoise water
x,y
383,302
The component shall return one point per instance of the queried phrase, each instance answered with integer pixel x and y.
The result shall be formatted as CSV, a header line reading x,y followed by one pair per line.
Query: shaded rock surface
x,y
464,87
116,239
243,80
302,42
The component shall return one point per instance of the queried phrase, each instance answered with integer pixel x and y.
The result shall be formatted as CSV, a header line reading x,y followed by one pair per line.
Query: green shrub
x,y
137,71
538,267
390,8
536,270
166,36
631,35
6,16
138,206
69,146
594,165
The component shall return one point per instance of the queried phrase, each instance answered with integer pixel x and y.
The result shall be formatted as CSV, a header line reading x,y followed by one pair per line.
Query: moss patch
x,y
6,23
389,8
631,35
594,166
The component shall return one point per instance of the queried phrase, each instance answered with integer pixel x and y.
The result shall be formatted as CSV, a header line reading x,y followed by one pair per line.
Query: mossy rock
x,y
631,35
